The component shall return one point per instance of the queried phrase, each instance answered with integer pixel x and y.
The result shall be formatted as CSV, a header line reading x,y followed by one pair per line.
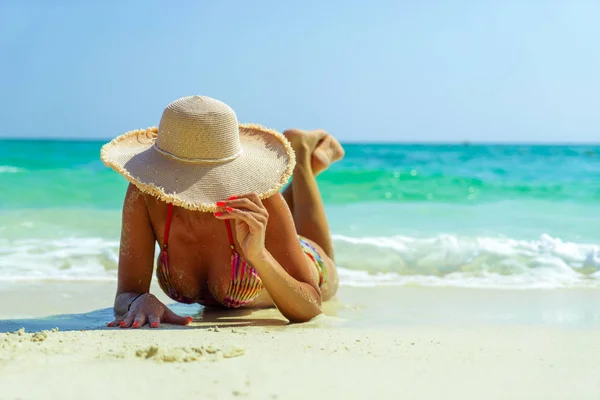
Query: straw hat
x,y
199,155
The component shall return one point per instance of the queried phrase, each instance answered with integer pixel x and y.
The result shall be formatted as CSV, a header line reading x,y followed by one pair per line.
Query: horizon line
x,y
350,142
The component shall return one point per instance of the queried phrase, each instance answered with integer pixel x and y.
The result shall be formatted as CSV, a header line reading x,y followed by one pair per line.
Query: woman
x,y
207,189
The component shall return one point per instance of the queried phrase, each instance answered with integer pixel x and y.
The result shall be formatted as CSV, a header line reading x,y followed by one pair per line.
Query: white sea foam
x,y
9,169
85,259
439,261
449,260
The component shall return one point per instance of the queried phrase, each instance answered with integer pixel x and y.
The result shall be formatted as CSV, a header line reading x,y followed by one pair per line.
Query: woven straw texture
x,y
199,155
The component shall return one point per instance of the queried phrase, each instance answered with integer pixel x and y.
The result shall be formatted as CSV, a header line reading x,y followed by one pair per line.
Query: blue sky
x,y
366,71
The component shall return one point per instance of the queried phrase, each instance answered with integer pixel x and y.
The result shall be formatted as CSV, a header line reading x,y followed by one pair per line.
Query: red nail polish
x,y
190,320
122,323
220,204
232,198
155,324
229,209
218,214
135,325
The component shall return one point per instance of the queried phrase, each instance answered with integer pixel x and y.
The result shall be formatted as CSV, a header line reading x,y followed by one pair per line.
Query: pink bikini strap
x,y
229,234
168,225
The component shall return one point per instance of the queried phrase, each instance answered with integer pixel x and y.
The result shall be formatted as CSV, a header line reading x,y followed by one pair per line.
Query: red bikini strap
x,y
229,233
168,225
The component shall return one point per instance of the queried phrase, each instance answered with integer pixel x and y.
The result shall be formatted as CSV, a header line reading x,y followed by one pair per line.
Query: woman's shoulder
x,y
281,221
136,195
137,202
276,205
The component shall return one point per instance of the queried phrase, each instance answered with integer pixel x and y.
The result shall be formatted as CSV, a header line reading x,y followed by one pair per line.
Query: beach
x,y
391,343
462,216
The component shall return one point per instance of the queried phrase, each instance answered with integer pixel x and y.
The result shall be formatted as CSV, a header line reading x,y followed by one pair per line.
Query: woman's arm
x,y
134,306
281,263
298,301
136,253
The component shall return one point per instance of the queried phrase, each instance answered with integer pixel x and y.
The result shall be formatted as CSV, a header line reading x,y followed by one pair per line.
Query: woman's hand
x,y
148,309
250,223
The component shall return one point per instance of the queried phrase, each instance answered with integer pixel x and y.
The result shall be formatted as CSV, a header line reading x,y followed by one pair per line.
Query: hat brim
x,y
264,167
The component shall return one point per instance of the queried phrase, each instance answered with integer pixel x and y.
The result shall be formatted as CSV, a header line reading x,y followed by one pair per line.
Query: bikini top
x,y
244,285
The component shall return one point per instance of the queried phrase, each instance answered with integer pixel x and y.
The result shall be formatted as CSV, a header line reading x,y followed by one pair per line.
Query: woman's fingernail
x,y
220,204
190,320
122,324
135,324
229,209
155,324
218,214
232,198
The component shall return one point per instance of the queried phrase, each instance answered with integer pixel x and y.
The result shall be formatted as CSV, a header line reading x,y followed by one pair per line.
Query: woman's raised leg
x,y
315,151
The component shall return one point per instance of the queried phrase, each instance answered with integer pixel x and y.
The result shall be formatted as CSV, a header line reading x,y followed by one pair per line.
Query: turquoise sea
x,y
492,216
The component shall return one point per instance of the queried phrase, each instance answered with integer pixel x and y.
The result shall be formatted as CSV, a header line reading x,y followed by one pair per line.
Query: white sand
x,y
331,357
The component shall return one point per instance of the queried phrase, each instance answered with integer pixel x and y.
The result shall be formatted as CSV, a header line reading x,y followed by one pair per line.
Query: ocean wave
x,y
71,259
9,169
437,261
455,261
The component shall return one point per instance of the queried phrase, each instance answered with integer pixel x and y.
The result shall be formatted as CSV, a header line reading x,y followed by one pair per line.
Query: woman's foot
x,y
323,148
328,151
